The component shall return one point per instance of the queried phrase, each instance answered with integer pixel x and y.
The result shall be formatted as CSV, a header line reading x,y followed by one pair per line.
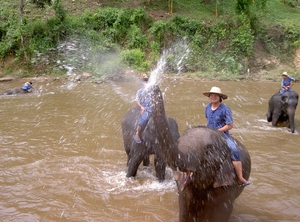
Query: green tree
x,y
243,6
40,4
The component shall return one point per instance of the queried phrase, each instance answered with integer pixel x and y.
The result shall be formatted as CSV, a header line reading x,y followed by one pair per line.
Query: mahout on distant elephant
x,y
138,152
207,182
282,108
26,88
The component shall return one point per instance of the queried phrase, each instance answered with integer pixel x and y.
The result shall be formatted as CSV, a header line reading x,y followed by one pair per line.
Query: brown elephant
x,y
207,182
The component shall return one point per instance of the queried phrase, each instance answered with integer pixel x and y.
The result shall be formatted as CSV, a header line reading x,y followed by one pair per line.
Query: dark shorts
x,y
144,119
234,154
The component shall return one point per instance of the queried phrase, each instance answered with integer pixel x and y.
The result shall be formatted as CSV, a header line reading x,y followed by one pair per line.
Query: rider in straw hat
x,y
286,83
219,117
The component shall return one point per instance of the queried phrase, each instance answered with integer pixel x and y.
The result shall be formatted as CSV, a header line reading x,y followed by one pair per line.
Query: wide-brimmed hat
x,y
215,90
285,74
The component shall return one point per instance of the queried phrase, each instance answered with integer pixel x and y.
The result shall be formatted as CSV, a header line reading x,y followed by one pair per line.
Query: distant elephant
x,y
282,108
207,182
137,153
15,91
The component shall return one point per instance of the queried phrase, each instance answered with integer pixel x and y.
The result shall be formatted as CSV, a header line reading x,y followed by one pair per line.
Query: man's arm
x,y
226,127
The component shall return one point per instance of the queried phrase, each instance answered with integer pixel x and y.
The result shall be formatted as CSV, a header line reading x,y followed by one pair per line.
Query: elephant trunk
x,y
291,114
165,139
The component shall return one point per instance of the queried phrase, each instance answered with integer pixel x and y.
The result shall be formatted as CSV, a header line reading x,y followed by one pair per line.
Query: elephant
x,y
206,180
136,153
282,108
15,91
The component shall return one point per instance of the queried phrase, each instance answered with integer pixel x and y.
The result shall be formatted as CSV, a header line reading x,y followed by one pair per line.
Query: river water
x,y
62,156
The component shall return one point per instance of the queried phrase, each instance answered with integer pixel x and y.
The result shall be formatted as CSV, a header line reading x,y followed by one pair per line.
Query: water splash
x,y
172,60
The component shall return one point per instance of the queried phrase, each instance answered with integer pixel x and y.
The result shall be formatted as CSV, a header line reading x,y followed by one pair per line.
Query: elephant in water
x,y
137,153
207,182
282,108
14,91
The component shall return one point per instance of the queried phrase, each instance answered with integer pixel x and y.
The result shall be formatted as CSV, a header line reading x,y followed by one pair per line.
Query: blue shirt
x,y
144,98
287,81
26,86
218,118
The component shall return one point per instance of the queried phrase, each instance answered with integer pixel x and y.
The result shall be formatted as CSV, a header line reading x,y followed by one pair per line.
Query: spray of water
x,y
172,59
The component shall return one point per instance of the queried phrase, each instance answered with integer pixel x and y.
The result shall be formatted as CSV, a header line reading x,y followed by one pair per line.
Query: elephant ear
x,y
225,176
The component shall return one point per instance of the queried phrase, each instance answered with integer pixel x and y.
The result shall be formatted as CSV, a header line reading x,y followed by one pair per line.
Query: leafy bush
x,y
134,58
242,38
136,38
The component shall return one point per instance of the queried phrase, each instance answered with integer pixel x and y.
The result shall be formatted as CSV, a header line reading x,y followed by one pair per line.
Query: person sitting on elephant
x,y
27,87
143,100
286,83
219,117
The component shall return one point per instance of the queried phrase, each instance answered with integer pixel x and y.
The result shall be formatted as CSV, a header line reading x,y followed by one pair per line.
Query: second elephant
x,y
282,108
207,183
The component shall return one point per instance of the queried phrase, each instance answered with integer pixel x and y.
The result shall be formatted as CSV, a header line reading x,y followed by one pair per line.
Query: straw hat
x,y
285,74
216,90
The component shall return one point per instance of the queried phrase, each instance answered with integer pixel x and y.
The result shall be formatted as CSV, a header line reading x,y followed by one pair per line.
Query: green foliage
x,y
282,44
159,31
242,38
185,26
135,58
243,6
41,3
154,52
60,12
136,38
291,3
119,25
217,44
10,37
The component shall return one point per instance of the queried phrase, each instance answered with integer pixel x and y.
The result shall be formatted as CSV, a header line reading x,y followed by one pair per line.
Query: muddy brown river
x,y
62,156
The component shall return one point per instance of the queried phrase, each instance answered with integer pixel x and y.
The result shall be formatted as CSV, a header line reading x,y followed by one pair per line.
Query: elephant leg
x,y
146,160
135,159
275,119
269,116
160,168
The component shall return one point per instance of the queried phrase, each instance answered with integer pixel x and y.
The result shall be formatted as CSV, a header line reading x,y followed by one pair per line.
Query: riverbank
x,y
107,34
131,76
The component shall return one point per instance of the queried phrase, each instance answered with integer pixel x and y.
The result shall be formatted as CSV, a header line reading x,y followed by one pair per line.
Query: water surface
x,y
62,156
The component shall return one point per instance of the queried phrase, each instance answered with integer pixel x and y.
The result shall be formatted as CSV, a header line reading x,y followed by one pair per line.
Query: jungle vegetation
x,y
226,39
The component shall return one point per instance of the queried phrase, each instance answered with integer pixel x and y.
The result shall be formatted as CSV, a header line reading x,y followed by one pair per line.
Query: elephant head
x,y
282,109
207,181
